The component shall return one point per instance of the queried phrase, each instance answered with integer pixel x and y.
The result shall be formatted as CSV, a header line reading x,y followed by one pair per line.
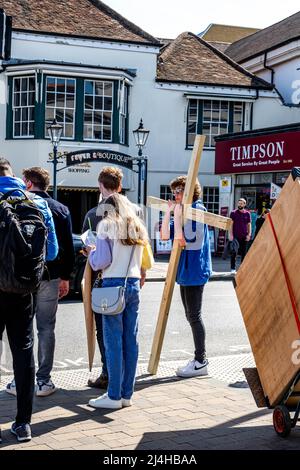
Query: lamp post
x,y
141,136
54,132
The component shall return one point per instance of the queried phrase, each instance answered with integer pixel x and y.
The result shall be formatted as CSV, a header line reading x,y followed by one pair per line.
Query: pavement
x,y
221,270
168,414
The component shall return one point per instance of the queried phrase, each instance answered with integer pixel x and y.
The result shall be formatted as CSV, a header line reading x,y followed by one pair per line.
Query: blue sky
x,y
168,18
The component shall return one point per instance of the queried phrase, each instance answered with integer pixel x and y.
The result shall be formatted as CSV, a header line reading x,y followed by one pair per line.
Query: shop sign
x,y
225,184
275,191
99,155
269,152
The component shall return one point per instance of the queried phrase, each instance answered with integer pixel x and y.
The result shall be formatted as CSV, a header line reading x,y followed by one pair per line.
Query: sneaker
x,y
100,382
43,389
193,369
233,271
105,402
22,431
11,388
126,402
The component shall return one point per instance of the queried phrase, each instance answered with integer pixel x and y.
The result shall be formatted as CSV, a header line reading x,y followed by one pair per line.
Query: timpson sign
x,y
269,152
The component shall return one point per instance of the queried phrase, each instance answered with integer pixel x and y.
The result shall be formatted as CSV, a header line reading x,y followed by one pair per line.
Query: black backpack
x,y
23,237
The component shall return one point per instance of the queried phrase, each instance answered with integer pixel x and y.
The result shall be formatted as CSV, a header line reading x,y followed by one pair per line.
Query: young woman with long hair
x,y
120,243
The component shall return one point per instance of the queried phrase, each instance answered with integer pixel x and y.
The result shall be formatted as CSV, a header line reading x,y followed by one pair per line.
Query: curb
x,y
214,277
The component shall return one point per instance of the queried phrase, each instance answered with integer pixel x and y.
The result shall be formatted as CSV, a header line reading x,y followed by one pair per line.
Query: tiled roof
x,y
83,18
226,33
190,59
266,39
221,46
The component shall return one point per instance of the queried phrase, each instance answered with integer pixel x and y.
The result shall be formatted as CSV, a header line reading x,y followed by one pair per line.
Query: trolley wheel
x,y
282,421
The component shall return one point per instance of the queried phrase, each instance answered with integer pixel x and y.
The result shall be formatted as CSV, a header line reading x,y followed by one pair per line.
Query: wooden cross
x,y
198,215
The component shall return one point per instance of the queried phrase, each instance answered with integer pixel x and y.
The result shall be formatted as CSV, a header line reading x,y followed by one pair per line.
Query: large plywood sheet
x,y
264,298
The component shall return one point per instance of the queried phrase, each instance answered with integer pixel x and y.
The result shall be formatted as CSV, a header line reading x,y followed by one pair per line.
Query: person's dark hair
x,y
38,176
180,181
5,167
111,178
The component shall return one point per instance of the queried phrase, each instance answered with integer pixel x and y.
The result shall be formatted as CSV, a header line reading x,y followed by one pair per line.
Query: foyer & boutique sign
x,y
99,155
273,152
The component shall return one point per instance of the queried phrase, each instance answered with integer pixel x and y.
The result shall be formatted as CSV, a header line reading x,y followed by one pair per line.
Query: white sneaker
x,y
233,271
105,402
193,369
43,389
126,402
11,388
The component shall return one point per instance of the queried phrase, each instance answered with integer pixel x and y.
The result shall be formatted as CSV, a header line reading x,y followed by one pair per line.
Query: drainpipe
x,y
269,68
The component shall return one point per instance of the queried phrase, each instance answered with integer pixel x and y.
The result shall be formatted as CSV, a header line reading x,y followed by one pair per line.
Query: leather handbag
x,y
110,300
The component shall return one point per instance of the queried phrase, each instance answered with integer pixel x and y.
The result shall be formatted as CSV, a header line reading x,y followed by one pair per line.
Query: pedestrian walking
x,y
55,283
240,230
25,240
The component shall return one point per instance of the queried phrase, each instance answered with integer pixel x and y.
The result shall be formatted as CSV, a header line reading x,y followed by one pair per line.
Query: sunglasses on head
x,y
177,191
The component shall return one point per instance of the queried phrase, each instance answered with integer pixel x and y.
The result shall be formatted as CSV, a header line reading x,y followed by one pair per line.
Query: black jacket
x,y
63,264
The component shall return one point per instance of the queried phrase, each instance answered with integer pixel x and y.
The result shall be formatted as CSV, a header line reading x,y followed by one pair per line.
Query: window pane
x,y
24,84
17,84
70,86
17,99
18,114
32,83
17,129
60,100
24,114
108,104
31,98
88,116
106,119
88,87
23,99
69,130
191,139
97,118
89,102
24,128
49,114
70,101
68,116
50,99
88,132
108,89
98,102
61,85
50,84
59,115
98,88
106,133
97,132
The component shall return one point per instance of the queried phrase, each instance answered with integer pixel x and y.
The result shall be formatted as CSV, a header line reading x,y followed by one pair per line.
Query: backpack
x,y
23,237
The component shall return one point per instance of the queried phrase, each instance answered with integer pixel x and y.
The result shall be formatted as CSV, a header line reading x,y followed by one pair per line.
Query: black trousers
x,y
243,244
192,301
16,315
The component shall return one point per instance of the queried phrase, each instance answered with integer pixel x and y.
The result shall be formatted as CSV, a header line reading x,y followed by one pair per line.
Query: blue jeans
x,y
120,340
46,308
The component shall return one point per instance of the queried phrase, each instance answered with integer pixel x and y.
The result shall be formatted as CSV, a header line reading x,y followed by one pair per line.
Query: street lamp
x,y
54,132
141,136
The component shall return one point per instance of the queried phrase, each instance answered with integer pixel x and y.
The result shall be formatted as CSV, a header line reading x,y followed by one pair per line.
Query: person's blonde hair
x,y
121,222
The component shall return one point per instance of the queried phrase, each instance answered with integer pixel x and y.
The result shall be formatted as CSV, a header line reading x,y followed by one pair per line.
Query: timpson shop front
x,y
255,165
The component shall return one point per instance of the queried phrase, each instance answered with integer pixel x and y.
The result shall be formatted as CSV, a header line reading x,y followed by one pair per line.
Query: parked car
x,y
80,260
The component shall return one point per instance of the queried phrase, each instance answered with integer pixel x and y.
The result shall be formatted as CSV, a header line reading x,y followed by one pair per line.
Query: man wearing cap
x,y
240,231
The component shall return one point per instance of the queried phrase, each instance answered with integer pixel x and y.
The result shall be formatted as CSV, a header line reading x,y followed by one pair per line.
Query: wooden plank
x,y
214,220
174,260
264,298
86,288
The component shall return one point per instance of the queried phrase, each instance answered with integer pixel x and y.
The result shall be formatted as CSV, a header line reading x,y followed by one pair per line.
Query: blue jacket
x,y
194,268
7,183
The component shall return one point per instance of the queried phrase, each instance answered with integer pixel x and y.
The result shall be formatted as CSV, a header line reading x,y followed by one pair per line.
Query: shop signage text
x,y
99,155
273,152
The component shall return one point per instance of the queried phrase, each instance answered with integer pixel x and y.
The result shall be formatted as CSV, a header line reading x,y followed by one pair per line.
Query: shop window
x,y
211,199
280,178
98,109
23,106
60,104
213,118
243,179
260,178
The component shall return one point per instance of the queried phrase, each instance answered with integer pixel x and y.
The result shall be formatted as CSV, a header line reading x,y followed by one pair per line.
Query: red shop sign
x,y
269,152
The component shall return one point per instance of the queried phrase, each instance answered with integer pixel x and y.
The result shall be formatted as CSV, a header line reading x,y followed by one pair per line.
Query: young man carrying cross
x,y
194,269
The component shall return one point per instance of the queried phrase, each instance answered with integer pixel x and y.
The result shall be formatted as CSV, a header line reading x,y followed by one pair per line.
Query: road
x,y
222,317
